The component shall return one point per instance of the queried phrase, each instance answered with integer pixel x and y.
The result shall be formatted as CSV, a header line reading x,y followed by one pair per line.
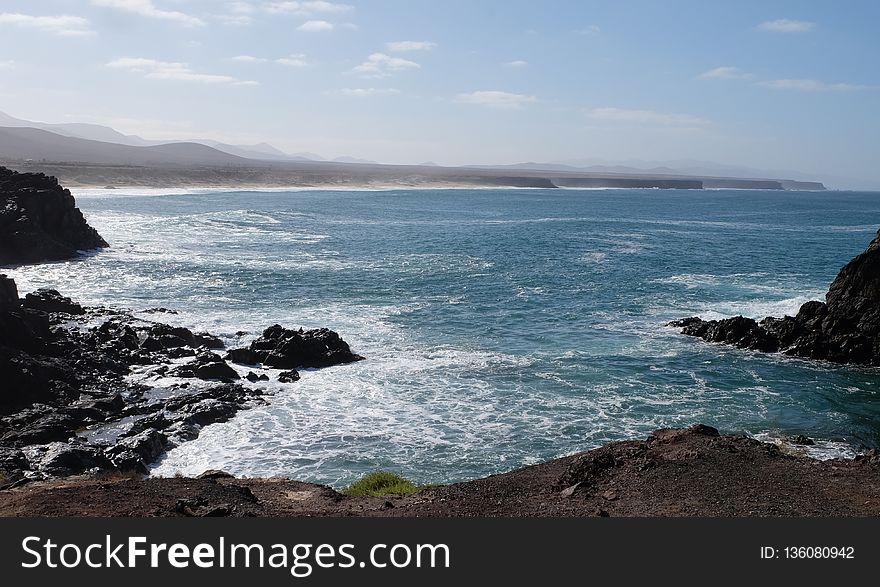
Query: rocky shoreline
x,y
845,328
694,472
70,407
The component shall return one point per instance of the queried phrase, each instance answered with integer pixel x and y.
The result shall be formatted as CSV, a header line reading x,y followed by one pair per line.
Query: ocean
x,y
501,328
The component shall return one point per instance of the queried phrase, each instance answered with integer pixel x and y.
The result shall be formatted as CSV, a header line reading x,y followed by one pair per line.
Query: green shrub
x,y
380,483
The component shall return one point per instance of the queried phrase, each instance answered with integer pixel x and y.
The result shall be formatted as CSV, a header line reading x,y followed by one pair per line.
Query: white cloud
x,y
238,14
589,30
307,8
404,46
240,7
725,72
293,60
808,85
646,117
249,59
381,65
60,25
496,99
784,25
148,9
168,70
235,19
363,92
315,26
517,63
7,64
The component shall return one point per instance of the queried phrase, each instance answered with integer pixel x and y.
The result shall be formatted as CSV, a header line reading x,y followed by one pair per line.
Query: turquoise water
x,y
501,327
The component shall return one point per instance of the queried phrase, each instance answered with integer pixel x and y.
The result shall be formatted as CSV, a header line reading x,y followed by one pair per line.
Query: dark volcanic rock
x,y
49,300
67,406
207,365
136,452
8,294
288,376
283,348
845,328
39,220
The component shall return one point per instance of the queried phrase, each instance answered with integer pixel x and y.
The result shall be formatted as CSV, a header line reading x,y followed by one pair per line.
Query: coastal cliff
x,y
39,220
845,328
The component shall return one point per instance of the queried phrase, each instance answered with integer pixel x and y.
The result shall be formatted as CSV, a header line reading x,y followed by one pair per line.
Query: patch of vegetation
x,y
380,483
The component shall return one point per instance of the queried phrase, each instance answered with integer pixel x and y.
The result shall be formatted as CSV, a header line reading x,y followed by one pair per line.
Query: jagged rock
x,y
61,460
8,294
49,300
51,428
283,348
66,405
243,356
288,376
207,365
39,220
845,328
253,377
136,452
12,459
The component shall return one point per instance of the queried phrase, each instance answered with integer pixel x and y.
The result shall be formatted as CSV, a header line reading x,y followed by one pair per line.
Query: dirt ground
x,y
688,472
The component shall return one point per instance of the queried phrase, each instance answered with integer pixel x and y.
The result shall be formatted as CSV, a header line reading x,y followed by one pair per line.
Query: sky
x,y
783,85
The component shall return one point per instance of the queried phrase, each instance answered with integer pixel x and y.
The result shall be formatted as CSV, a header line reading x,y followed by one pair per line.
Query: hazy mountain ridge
x,y
53,147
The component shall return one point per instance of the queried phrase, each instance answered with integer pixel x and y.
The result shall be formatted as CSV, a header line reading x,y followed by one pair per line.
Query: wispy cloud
x,y
784,25
237,14
148,9
308,8
809,85
496,99
725,72
589,30
364,92
315,26
168,70
293,60
249,59
646,117
518,63
381,65
405,46
7,64
65,25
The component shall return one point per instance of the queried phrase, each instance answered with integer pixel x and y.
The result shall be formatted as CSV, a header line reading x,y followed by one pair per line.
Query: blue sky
x,y
774,85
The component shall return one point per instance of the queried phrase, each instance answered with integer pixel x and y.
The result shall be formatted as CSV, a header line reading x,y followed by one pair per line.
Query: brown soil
x,y
692,472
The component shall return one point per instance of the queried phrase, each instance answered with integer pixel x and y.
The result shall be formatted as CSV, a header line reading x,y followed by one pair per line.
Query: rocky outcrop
x,y
39,220
67,405
845,328
282,348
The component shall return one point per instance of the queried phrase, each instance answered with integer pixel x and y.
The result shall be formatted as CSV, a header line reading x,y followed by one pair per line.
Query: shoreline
x,y
692,472
312,174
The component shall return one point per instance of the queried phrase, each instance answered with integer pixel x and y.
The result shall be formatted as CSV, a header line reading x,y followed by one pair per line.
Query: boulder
x,y
288,376
207,365
282,348
49,300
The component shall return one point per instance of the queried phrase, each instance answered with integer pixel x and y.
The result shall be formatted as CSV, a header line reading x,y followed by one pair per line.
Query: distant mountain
x,y
96,132
18,144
